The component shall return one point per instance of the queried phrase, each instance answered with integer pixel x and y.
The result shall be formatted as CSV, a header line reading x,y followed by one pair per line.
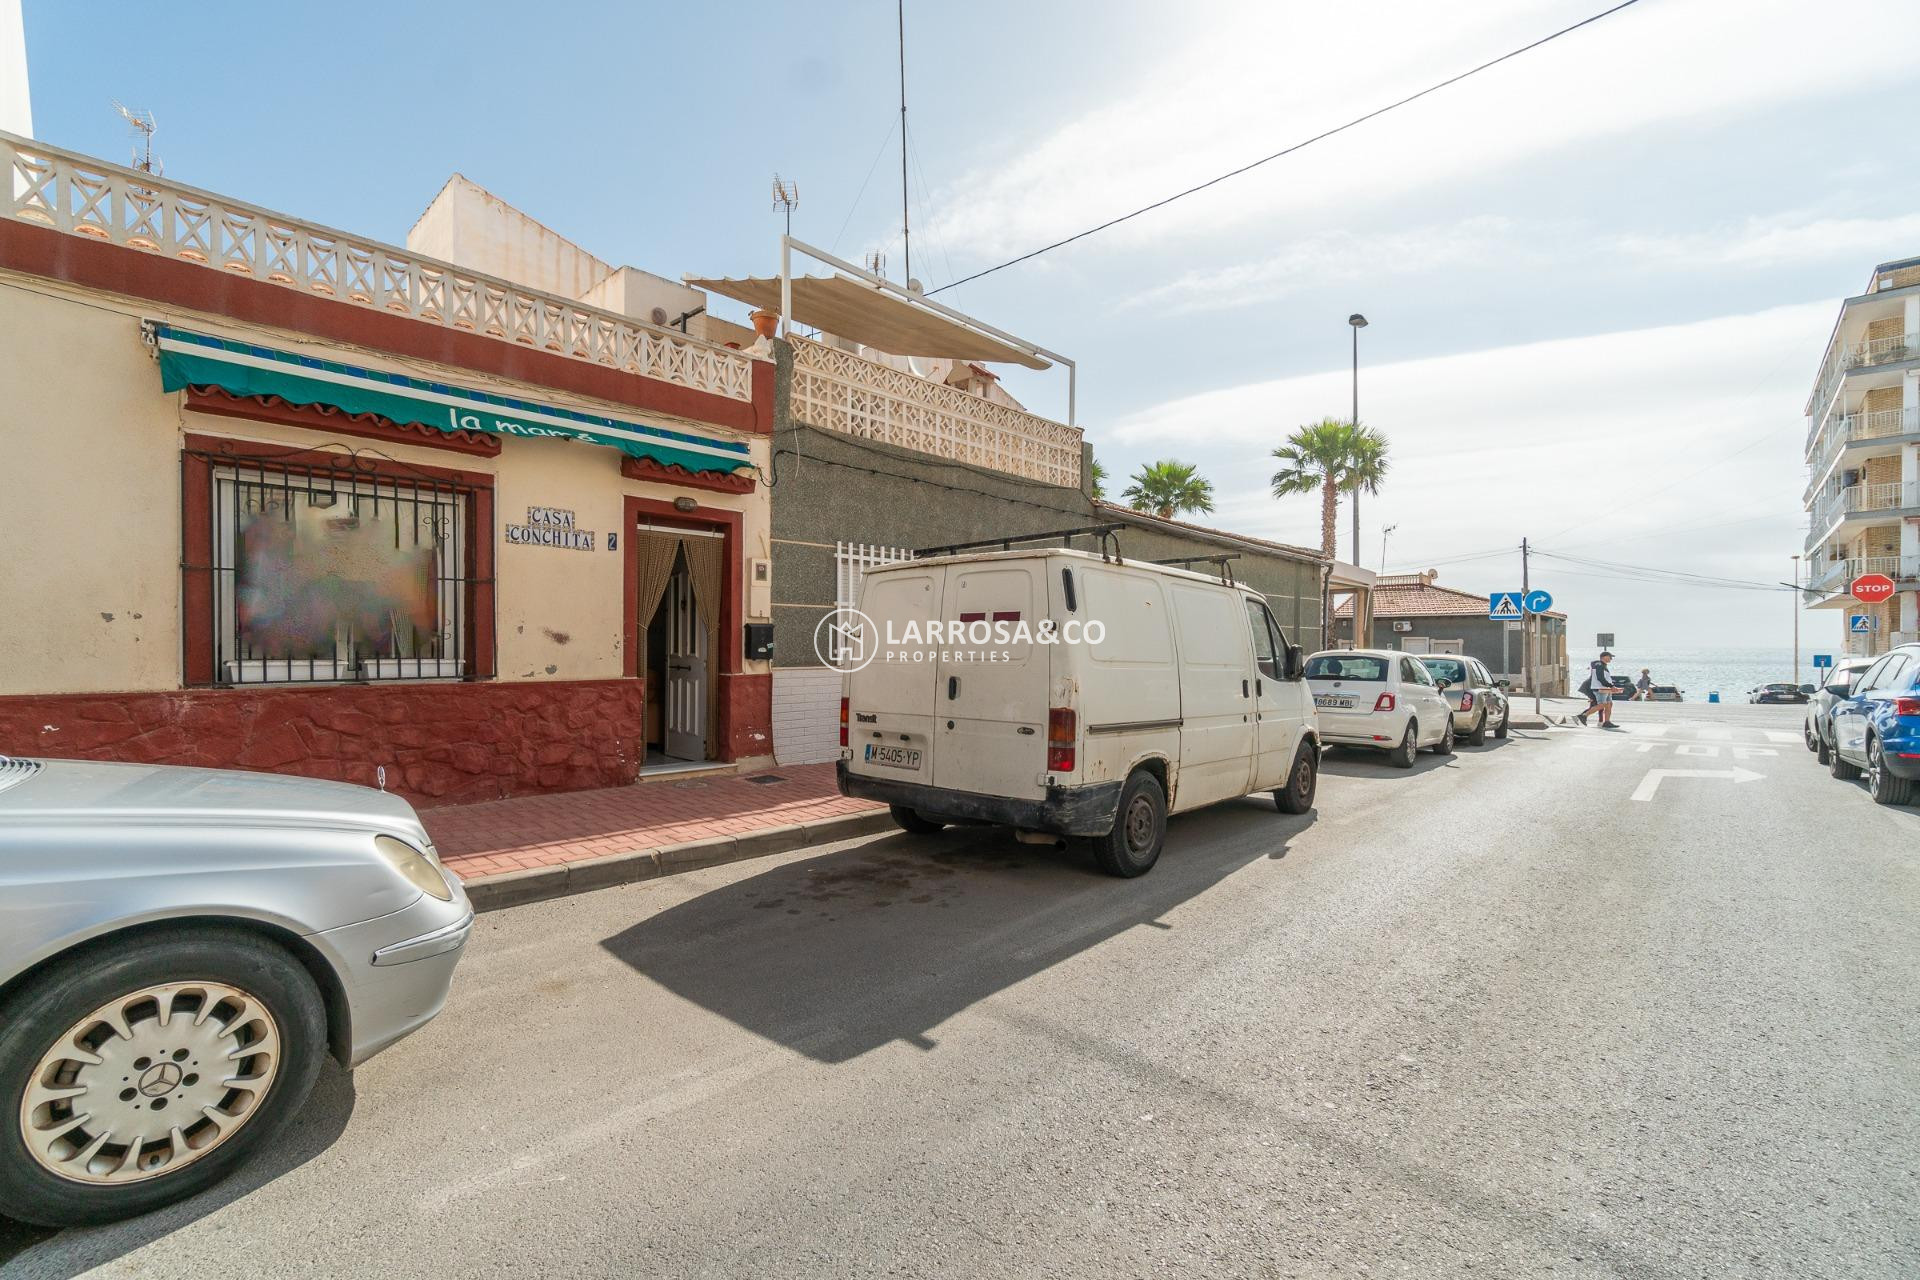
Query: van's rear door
x,y
890,701
990,717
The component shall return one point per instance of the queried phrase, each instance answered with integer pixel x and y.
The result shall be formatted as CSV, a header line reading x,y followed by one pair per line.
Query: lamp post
x,y
1357,322
1796,621
1383,545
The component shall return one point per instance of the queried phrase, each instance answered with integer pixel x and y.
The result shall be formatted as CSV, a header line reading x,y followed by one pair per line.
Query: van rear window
x,y
1336,666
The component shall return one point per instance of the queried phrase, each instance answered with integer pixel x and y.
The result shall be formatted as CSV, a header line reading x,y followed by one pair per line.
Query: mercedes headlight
x,y
417,868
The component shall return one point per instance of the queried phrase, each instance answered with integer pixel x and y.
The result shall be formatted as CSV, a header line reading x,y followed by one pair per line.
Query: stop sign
x,y
1872,588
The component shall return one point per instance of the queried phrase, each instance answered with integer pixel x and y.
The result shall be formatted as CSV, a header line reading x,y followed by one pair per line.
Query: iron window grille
x,y
332,572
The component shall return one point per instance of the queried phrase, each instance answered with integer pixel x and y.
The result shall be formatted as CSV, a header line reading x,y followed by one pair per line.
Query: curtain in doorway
x,y
705,566
657,551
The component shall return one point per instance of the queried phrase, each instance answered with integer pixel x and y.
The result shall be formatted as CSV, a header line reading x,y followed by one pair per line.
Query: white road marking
x,y
1696,749
1651,783
1776,735
1748,753
1716,735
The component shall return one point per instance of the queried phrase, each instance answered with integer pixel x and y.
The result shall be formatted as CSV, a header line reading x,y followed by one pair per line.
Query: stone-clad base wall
x,y
440,743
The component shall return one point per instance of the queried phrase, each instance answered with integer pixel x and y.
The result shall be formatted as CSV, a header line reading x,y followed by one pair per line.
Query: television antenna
x,y
786,197
876,264
142,126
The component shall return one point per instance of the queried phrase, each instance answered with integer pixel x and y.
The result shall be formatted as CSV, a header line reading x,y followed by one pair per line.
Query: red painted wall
x,y
440,743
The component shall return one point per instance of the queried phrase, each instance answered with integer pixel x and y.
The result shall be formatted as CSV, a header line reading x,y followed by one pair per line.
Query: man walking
x,y
1599,687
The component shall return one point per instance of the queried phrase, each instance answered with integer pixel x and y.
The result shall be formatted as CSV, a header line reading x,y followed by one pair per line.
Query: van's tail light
x,y
1061,723
843,722
1466,701
1906,706
1384,702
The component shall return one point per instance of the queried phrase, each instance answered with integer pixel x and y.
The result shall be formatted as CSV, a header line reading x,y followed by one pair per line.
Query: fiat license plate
x,y
1332,702
893,757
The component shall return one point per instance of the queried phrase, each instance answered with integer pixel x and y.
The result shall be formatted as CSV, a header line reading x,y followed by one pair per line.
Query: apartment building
x,y
1863,455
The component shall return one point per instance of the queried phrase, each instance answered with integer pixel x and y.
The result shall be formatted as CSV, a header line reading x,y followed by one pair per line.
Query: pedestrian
x,y
1598,687
1644,686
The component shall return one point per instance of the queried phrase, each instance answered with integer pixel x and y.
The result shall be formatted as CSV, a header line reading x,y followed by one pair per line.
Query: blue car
x,y
1876,727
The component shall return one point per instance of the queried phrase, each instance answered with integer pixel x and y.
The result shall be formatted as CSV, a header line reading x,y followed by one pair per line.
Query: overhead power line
x,y
1287,151
1656,574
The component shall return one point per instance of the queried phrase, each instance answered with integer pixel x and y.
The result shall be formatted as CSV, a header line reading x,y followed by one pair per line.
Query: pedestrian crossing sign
x,y
1505,605
1859,624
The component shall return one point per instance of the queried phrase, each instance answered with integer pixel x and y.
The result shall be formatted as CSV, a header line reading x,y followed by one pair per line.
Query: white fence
x,y
81,196
839,391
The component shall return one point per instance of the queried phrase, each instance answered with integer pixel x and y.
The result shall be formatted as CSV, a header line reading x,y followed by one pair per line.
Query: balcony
x,y
1859,500
80,196
1865,354
1860,428
1835,575
838,391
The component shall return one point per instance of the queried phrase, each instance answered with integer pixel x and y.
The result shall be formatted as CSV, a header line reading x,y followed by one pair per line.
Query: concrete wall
x,y
471,227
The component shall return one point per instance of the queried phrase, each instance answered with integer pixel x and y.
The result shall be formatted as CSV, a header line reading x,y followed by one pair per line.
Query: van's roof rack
x,y
1219,562
1108,534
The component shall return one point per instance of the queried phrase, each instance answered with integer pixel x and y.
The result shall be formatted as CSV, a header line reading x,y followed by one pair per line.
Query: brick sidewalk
x,y
545,831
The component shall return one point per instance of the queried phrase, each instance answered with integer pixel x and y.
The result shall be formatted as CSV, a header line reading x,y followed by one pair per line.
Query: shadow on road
x,y
40,1251
843,953
1360,762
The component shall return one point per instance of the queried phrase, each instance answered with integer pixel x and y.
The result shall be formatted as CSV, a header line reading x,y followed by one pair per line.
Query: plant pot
x,y
765,323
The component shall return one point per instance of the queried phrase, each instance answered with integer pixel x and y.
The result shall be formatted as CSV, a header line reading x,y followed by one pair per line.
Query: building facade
x,y
1863,460
1412,613
281,497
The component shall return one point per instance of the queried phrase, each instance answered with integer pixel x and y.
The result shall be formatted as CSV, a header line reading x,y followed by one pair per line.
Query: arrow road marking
x,y
1651,783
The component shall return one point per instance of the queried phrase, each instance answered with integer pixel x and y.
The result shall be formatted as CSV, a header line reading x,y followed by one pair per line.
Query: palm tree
x,y
1330,456
1168,486
1099,481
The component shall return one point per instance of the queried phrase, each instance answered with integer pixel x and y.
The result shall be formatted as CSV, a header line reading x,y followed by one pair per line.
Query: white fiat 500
x,y
1381,699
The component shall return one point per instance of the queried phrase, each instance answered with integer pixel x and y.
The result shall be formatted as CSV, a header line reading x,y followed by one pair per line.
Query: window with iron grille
x,y
851,560
330,572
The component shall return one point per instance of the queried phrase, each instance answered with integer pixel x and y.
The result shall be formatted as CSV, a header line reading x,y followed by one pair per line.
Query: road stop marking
x,y
1651,783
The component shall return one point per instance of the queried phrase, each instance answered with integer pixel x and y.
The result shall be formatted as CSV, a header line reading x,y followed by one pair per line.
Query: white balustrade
x,y
81,196
838,391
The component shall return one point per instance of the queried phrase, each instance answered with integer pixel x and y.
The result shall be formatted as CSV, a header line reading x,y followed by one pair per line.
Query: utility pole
x,y
906,242
1526,625
1356,322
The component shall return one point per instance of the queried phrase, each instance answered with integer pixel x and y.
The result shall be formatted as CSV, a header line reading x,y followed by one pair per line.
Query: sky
x,y
1598,278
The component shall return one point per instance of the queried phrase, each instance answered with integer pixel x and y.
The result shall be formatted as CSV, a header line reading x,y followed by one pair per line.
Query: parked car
x,y
178,950
1382,699
1479,701
1876,727
1818,725
1778,692
1665,693
1193,694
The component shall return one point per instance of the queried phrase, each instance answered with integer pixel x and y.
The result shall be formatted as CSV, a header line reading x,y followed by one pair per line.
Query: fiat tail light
x,y
1384,702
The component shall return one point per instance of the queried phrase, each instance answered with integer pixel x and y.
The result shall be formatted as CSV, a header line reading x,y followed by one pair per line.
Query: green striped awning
x,y
242,369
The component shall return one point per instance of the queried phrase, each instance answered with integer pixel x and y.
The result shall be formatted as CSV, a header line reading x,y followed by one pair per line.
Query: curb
x,y
536,884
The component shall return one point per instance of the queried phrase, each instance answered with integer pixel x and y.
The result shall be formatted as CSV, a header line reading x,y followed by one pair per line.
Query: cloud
x,y
1677,445
1268,75
1780,240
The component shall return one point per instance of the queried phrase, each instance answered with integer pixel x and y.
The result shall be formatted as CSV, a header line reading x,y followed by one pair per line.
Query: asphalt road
x,y
1494,1016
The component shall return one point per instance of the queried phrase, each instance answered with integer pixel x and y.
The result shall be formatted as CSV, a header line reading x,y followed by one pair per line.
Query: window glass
x,y
323,577
1890,674
1264,656
1452,670
1347,666
1412,672
1872,679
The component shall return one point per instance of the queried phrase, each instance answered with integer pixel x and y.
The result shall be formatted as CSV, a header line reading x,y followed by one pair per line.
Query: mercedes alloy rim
x,y
149,1082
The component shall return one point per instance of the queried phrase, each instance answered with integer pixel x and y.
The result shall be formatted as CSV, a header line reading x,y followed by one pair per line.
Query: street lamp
x,y
1796,621
1357,322
1383,545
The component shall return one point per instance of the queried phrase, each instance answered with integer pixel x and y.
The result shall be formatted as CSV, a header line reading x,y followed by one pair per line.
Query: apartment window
x,y
324,569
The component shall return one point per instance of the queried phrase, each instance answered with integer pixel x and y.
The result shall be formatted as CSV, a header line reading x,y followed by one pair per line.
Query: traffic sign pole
x,y
1527,628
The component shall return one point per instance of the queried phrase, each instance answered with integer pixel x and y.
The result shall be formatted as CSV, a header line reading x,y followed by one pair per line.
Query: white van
x,y
1063,693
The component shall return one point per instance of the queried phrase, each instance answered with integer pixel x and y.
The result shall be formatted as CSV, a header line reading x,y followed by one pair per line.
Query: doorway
x,y
680,572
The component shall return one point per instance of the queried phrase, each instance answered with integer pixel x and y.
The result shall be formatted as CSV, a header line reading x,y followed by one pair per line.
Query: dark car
x,y
1876,727
1779,692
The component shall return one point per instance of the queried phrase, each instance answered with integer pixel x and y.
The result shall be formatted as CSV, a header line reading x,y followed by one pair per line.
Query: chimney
x,y
16,109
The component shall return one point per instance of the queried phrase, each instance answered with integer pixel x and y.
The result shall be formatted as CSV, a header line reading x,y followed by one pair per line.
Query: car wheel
x,y
1821,751
1506,715
912,820
1139,829
1812,739
1444,747
1401,757
1839,768
1302,781
138,1073
1882,784
1477,736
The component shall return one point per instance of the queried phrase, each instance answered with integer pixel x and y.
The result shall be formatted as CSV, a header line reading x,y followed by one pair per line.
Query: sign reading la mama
x,y
550,527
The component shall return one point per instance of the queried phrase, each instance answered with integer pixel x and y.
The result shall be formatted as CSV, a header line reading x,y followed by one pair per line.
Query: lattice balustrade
x,y
81,196
839,391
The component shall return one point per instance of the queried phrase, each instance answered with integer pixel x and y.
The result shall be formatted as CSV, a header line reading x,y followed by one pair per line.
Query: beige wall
x,y
471,227
90,584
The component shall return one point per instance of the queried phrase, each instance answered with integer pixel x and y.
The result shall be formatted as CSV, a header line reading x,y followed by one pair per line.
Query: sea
x,y
1698,671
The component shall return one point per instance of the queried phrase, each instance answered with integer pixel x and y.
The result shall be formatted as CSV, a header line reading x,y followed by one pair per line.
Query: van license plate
x,y
1333,702
893,757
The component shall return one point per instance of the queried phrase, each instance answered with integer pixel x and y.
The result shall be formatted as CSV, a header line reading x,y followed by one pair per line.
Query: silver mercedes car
x,y
178,948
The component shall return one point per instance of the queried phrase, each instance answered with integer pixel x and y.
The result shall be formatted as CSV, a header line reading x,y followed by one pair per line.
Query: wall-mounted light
x,y
684,503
